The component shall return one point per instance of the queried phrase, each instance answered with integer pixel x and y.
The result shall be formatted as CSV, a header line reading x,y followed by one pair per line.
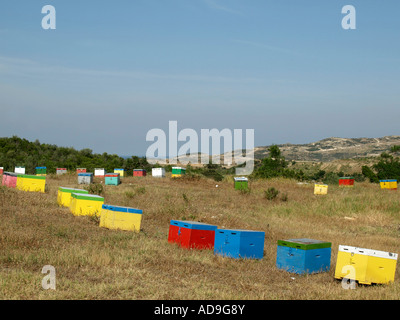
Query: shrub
x,y
271,193
95,188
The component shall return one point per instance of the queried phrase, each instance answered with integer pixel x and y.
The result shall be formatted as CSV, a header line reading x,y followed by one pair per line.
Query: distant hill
x,y
331,149
326,150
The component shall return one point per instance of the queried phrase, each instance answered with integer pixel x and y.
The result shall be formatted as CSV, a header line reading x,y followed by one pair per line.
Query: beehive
x,y
112,179
239,243
99,172
41,171
31,183
365,265
346,181
85,178
64,195
9,179
121,218
241,183
61,171
120,171
20,170
177,172
86,204
158,172
320,189
81,170
388,184
303,256
139,173
4,178
1,170
191,234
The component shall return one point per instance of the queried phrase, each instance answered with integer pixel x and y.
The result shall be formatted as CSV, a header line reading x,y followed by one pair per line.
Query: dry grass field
x,y
97,263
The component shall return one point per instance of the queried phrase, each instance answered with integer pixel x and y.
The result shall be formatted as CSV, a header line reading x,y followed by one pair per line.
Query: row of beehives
x,y
24,182
98,172
299,256
241,183
81,203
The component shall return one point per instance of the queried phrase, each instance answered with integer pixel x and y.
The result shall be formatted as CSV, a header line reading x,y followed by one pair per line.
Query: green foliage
x,y
368,173
271,193
21,152
395,149
388,167
332,178
95,188
275,165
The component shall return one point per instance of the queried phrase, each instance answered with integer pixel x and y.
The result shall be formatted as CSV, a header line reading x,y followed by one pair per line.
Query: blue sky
x,y
113,70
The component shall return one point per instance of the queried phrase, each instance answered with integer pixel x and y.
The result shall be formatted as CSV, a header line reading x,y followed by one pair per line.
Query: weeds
x,y
271,193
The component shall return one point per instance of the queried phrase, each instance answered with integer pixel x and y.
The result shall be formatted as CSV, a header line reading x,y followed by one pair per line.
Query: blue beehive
x,y
239,243
303,256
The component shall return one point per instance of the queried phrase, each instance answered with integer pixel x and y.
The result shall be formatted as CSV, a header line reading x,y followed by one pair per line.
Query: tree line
x,y
17,151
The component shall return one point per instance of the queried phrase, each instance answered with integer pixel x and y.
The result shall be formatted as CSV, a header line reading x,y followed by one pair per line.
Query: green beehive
x,y
241,183
41,171
178,172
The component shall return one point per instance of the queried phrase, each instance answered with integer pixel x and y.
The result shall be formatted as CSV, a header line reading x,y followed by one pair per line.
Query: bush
x,y
95,188
271,193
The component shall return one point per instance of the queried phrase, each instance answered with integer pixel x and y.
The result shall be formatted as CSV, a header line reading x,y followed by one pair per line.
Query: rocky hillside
x,y
331,149
327,150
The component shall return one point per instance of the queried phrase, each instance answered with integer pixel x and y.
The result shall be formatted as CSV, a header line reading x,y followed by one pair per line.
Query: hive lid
x,y
115,174
13,174
139,170
85,174
193,225
368,252
28,176
388,180
72,190
241,179
82,196
121,209
40,167
346,178
242,232
304,244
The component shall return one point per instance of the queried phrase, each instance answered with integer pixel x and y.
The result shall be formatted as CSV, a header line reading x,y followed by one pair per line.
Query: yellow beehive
x,y
64,195
365,265
320,189
20,181
120,171
122,218
31,183
85,204
388,184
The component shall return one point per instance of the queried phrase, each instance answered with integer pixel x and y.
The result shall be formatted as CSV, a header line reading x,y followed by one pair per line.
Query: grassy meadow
x,y
97,263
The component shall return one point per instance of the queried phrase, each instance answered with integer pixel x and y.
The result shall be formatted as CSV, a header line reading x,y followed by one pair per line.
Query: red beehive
x,y
1,170
139,173
346,181
9,179
189,234
81,170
